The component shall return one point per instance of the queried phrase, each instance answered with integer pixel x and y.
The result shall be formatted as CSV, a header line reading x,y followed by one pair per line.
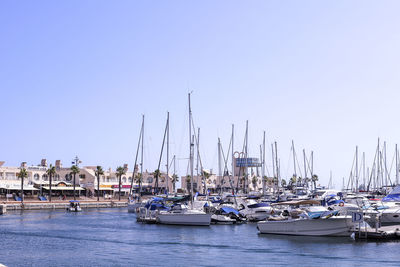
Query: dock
x,y
382,233
61,205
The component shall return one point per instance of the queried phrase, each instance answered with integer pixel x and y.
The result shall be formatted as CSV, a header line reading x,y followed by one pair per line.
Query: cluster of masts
x,y
378,177
224,169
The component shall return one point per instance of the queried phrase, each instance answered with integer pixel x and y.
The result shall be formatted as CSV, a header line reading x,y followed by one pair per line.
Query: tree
x,y
206,175
120,171
22,174
156,174
99,171
314,179
293,180
254,182
283,183
188,180
175,179
74,171
51,171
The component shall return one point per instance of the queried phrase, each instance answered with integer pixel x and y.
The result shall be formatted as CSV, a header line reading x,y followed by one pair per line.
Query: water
x,y
105,237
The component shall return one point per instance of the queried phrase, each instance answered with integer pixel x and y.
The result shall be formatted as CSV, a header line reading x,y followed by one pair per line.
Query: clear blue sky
x,y
75,77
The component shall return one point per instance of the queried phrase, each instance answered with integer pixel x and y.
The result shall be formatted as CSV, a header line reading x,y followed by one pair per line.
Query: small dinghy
x,y
74,206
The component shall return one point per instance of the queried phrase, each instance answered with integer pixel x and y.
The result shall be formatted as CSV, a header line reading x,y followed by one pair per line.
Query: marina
x,y
105,237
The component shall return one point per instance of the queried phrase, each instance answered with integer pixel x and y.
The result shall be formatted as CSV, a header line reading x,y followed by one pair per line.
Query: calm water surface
x,y
112,237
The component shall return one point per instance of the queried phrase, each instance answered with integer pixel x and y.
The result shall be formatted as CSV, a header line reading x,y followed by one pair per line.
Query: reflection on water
x,y
104,237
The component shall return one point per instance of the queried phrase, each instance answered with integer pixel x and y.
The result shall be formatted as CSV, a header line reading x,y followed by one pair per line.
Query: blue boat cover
x,y
393,196
230,210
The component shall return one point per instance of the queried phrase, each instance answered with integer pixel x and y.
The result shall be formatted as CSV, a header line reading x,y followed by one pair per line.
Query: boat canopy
x,y
230,210
394,195
298,202
74,201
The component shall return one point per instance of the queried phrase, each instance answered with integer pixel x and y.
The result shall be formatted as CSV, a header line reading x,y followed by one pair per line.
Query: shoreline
x,y
37,205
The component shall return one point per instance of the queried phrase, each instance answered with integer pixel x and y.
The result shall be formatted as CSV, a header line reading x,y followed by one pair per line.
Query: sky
x,y
76,77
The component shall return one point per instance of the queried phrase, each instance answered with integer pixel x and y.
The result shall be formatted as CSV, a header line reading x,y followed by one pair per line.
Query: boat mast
x,y
305,167
356,170
277,165
245,186
136,157
263,165
141,161
294,161
233,159
221,178
167,153
397,166
191,140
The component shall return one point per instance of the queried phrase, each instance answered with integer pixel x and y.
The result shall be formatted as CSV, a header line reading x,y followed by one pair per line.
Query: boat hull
x,y
184,219
335,226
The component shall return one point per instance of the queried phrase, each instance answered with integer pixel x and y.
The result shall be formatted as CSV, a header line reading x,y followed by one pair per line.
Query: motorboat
x,y
180,214
255,211
226,215
74,206
299,220
332,226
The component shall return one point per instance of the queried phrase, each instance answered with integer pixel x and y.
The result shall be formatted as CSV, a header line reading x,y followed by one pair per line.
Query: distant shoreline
x,y
38,205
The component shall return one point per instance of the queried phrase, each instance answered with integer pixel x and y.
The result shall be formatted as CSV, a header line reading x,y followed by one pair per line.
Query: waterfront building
x,y
37,183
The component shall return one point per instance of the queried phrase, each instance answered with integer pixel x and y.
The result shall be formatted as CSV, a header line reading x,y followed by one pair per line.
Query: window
x,y
68,177
124,179
36,177
57,177
130,179
82,176
150,180
45,177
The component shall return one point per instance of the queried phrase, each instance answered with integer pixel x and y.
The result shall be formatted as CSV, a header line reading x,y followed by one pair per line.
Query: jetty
x,y
382,233
38,205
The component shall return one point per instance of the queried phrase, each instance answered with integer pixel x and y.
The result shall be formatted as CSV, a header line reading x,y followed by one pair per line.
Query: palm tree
x,y
51,171
314,179
156,174
283,183
293,180
22,174
74,171
120,171
99,171
254,182
175,179
188,178
206,176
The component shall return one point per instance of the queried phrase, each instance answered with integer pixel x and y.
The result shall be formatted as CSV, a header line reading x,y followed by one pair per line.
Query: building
x,y
37,183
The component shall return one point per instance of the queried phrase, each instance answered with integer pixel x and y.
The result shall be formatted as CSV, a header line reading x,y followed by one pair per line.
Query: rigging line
x,y
298,165
372,170
136,157
351,173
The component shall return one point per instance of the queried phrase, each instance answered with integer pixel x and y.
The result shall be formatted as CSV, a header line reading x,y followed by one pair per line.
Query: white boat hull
x,y
334,226
184,218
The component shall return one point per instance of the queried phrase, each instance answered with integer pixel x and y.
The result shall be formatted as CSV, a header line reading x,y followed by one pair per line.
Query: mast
x,y
294,160
277,165
397,166
263,165
245,185
174,171
356,169
305,167
136,157
167,153
141,161
221,178
233,158
191,141
363,163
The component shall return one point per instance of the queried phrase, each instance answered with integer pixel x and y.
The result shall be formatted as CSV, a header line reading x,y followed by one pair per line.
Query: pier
x,y
59,205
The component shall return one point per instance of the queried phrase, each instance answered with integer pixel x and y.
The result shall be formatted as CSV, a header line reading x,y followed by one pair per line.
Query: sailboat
x,y
182,214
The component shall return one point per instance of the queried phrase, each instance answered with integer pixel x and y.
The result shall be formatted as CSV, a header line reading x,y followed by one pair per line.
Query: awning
x,y
63,188
18,187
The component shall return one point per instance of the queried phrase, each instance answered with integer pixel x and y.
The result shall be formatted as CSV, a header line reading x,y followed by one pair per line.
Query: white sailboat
x,y
182,214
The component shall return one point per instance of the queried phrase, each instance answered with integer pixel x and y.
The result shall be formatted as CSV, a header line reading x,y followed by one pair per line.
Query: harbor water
x,y
112,237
